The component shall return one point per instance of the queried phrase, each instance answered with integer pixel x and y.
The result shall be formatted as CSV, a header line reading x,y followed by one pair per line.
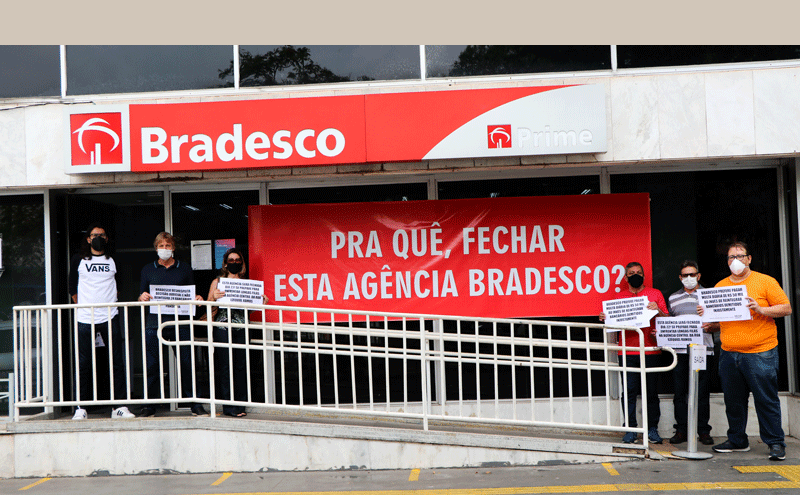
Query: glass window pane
x,y
270,65
22,280
131,219
28,71
349,194
212,216
695,215
485,60
138,68
533,186
630,56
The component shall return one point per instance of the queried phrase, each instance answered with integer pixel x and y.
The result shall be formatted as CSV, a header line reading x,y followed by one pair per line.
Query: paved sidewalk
x,y
739,472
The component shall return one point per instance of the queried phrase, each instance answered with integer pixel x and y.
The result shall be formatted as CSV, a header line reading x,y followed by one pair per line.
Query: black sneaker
x,y
777,452
728,446
147,412
198,410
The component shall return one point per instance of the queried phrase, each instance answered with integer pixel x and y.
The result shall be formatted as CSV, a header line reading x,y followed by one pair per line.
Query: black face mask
x,y
234,268
636,280
98,243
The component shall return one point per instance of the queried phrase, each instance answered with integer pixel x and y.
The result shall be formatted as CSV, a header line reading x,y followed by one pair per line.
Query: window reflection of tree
x,y
482,60
282,66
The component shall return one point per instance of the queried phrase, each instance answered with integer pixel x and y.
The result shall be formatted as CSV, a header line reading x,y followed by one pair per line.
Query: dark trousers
x,y
681,375
222,363
635,388
86,346
154,375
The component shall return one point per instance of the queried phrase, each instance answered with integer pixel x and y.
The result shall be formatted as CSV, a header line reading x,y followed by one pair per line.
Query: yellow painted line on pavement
x,y
414,476
631,487
610,469
221,479
788,472
791,473
667,454
34,484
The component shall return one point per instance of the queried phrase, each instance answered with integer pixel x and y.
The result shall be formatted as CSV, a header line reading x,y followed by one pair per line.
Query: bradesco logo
x,y
499,136
96,139
160,147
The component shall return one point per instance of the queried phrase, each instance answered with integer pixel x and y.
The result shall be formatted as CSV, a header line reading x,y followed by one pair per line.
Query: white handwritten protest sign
x,y
724,303
629,312
679,332
241,291
172,293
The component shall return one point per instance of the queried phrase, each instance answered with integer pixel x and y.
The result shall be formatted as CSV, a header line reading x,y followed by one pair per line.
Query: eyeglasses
x,y
739,257
98,235
684,275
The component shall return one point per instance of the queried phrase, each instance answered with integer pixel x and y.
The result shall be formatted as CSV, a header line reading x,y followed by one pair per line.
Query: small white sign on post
x,y
679,332
172,293
629,312
241,290
697,353
724,303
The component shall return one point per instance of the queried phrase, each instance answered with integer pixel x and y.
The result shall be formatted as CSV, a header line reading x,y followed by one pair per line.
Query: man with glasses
x,y
684,302
749,357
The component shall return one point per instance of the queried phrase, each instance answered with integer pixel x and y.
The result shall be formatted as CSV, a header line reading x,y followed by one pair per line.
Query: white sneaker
x,y
79,414
121,412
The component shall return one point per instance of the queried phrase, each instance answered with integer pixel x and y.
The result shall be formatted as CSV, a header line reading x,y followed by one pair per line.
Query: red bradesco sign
x,y
248,134
498,257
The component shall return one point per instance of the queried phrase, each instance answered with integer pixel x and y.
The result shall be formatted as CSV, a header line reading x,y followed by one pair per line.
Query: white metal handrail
x,y
441,367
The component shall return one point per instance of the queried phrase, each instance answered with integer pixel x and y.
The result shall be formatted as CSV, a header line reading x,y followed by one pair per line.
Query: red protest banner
x,y
497,257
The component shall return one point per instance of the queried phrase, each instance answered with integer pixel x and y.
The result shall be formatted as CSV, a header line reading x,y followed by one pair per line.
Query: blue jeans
x,y
86,346
741,373
635,389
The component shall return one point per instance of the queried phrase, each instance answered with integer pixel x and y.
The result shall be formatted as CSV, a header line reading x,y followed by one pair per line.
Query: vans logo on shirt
x,y
98,267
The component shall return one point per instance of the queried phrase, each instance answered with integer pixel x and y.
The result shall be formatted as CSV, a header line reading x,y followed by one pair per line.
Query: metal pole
x,y
696,355
11,399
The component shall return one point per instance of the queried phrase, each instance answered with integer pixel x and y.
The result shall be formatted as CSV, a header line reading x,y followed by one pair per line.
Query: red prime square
x,y
499,136
96,138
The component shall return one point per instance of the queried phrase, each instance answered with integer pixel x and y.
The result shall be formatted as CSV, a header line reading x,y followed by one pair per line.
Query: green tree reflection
x,y
484,60
282,66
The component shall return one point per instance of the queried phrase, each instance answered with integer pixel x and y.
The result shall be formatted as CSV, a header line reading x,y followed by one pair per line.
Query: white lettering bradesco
x,y
204,148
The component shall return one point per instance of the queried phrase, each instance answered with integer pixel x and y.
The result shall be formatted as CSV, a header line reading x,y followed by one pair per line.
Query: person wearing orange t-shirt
x,y
749,359
634,276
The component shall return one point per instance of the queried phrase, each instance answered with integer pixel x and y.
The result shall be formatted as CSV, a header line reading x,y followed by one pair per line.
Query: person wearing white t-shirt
x,y
92,279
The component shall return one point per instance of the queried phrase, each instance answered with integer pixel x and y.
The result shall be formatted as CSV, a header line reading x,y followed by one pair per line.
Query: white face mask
x,y
165,254
689,282
737,267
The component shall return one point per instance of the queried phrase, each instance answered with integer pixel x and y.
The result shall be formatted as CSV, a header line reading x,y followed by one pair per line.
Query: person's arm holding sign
x,y
708,327
776,311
